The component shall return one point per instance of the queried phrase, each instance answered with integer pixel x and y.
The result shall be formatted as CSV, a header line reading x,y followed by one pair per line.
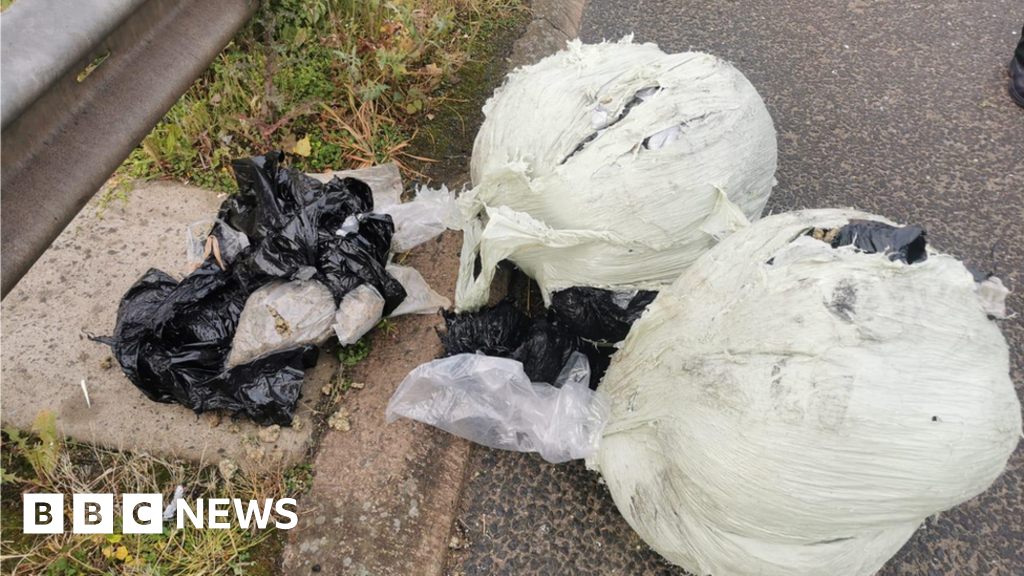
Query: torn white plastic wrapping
x,y
359,311
282,315
492,402
433,211
993,296
565,187
420,298
172,509
790,409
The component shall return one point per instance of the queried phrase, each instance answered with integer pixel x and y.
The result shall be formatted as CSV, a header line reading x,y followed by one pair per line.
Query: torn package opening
x,y
599,315
580,319
173,339
904,243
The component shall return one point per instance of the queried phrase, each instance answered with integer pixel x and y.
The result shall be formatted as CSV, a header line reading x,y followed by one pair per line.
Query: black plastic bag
x,y
346,262
599,315
503,330
906,243
545,350
173,339
495,331
300,228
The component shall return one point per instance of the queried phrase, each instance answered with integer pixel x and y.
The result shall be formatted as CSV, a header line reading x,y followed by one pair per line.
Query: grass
x,y
337,83
42,463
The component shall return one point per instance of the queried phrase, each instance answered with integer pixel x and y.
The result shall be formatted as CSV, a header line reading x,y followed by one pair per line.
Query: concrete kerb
x,y
554,23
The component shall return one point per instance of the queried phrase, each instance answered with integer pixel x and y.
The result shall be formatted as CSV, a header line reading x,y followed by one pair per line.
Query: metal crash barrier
x,y
83,82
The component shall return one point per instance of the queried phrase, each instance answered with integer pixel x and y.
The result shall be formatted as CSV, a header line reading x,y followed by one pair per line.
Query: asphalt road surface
x,y
893,107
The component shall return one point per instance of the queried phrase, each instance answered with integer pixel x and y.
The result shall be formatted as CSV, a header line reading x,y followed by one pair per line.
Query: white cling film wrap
x,y
791,409
615,166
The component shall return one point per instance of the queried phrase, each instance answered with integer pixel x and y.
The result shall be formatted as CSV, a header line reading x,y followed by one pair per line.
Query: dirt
x,y
448,137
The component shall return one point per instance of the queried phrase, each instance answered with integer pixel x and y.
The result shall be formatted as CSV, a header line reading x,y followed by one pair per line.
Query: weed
x,y
354,353
68,468
117,189
41,451
299,479
388,327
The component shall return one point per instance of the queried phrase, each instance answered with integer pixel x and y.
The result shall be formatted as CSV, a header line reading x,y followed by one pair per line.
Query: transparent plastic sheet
x,y
420,298
360,310
283,315
230,242
491,401
433,211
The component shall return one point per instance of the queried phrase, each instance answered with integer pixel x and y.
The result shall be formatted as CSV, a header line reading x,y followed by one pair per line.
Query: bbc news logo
x,y
145,514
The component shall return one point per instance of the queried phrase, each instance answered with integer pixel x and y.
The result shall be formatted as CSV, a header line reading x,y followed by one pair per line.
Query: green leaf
x,y
302,147
10,478
16,437
43,456
45,425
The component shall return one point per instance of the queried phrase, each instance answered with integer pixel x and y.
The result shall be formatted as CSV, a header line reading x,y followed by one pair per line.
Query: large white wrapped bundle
x,y
787,408
614,166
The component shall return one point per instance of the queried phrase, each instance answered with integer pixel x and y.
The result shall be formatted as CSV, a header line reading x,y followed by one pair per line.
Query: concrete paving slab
x,y
888,107
74,290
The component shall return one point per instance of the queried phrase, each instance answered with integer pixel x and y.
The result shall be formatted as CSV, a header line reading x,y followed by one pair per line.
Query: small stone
x,y
107,363
280,324
455,543
339,420
316,567
326,389
358,385
254,450
227,468
269,434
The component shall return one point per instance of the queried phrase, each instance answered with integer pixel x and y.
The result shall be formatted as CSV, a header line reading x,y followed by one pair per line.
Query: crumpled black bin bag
x,y
173,338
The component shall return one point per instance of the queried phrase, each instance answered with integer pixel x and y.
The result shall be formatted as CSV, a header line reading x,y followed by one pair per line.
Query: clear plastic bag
x,y
358,313
230,242
491,401
420,298
431,213
282,315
